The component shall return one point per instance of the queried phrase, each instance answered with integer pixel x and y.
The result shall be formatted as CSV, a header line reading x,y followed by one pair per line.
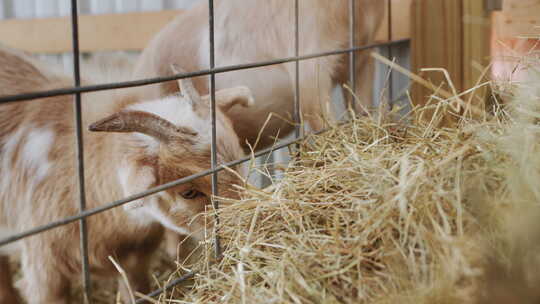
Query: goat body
x,y
153,142
254,31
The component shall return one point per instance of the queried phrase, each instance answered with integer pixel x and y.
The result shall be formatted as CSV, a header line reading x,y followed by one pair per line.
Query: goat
x,y
142,144
253,31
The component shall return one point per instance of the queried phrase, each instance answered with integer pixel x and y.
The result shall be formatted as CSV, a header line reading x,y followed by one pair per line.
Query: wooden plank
x,y
401,21
455,36
111,32
518,17
436,42
477,32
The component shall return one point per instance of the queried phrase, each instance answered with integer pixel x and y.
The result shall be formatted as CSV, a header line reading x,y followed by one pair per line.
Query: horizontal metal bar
x,y
187,179
149,81
173,283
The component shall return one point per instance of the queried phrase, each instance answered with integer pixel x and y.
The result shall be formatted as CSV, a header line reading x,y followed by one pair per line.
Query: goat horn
x,y
141,122
186,86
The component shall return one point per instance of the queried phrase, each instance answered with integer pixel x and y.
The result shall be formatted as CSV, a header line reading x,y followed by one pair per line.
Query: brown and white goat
x,y
152,142
253,31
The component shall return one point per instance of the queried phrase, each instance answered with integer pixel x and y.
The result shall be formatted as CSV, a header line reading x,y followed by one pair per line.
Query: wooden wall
x,y
97,32
516,30
43,26
518,18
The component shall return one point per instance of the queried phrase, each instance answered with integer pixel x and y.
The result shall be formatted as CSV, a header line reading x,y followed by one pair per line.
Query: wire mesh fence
x,y
77,90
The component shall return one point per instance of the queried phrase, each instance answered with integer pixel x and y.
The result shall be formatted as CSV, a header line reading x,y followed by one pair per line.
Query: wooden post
x,y
436,42
401,22
453,35
477,32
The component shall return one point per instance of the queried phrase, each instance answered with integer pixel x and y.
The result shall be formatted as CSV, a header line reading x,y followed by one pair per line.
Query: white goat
x,y
253,31
155,142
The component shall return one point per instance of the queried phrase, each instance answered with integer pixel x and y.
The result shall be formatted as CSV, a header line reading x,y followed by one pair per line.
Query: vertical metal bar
x,y
390,55
80,151
352,54
215,203
297,119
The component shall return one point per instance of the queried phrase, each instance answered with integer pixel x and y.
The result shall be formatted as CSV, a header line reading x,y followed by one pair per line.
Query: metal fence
x,y
77,90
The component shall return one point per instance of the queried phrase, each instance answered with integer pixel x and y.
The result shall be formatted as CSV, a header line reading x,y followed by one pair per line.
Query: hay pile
x,y
375,212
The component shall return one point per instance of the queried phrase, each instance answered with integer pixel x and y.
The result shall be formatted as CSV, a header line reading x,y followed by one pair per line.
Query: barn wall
x,y
55,8
27,9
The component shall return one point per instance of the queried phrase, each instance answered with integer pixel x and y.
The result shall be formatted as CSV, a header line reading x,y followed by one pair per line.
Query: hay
x,y
366,210
385,212
378,212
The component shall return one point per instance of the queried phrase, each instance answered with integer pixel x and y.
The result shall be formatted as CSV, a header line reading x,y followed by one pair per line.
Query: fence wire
x,y
296,115
352,55
215,202
77,90
80,151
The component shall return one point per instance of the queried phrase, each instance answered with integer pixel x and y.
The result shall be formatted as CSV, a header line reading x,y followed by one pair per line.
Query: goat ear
x,y
186,86
228,98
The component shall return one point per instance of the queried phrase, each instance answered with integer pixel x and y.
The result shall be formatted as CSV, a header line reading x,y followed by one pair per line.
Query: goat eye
x,y
190,194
